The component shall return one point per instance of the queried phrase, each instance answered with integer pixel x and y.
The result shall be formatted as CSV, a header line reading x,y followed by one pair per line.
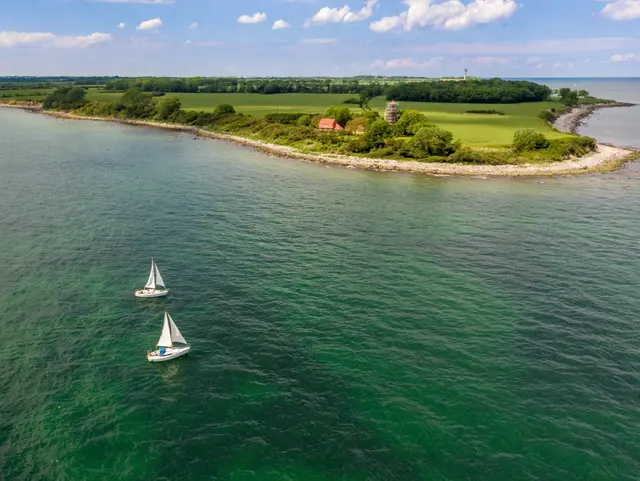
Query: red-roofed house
x,y
329,124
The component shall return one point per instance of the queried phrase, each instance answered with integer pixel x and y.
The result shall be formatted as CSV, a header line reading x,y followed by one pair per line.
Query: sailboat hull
x,y
151,292
169,353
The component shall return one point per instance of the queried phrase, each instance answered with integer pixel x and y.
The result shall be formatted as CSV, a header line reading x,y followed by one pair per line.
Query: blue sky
x,y
508,38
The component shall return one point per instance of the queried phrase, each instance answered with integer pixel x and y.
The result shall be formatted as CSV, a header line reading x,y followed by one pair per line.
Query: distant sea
x,y
619,126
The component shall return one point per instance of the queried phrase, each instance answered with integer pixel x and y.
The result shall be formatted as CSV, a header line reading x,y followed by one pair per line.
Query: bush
x,y
467,155
548,116
409,123
286,118
486,112
357,146
527,140
430,141
341,114
304,120
352,100
377,133
224,109
560,149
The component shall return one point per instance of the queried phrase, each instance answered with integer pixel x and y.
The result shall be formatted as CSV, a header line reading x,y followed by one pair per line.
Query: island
x,y
486,127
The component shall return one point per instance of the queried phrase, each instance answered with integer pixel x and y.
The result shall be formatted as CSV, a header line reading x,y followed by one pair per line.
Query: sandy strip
x,y
607,157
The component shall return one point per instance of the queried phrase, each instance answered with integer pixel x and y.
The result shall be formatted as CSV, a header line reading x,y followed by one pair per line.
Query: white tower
x,y
465,73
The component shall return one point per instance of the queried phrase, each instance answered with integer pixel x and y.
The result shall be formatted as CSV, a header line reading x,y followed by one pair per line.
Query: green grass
x,y
482,130
254,104
472,129
25,94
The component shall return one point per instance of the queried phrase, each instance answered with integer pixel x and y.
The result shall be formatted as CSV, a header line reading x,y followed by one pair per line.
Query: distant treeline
x,y
492,91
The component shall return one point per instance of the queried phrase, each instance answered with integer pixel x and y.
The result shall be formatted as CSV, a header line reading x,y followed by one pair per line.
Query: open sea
x,y
345,325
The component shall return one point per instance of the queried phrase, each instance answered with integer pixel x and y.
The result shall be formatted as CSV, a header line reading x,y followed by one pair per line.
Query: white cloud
x,y
193,26
150,24
449,15
255,18
619,58
406,63
280,24
122,25
344,14
559,65
145,2
622,9
318,41
15,39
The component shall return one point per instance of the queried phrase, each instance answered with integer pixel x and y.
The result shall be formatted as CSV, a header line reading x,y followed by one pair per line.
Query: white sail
x,y
165,337
159,281
175,333
151,283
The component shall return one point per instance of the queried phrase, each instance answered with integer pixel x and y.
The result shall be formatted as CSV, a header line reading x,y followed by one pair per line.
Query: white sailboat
x,y
167,348
155,285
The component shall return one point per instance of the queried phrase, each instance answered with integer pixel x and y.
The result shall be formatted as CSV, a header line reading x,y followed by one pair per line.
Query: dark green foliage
x,y
466,155
568,96
357,146
431,140
135,104
409,123
341,114
527,140
583,94
471,91
167,107
561,149
304,120
66,98
224,109
377,133
487,112
352,100
285,117
549,116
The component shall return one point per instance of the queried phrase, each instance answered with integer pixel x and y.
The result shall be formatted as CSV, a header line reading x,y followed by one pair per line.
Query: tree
x,y
377,133
529,140
225,109
136,104
167,107
564,92
409,123
430,141
66,98
583,94
304,121
341,114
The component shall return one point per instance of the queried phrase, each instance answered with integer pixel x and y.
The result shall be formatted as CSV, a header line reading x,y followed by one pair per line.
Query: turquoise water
x,y
345,325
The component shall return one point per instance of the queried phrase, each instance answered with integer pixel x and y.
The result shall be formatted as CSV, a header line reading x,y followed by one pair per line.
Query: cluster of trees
x,y
65,98
472,91
571,97
530,141
236,85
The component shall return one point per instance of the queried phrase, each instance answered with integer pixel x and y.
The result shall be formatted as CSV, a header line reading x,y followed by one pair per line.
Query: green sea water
x,y
345,325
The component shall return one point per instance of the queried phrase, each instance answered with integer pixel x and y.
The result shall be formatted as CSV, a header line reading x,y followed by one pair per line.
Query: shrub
x,y
283,117
467,155
357,146
304,120
486,112
341,114
377,133
560,149
409,123
431,141
352,100
529,140
224,109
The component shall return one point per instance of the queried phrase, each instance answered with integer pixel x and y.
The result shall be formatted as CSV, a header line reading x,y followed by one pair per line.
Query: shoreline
x,y
607,157
571,121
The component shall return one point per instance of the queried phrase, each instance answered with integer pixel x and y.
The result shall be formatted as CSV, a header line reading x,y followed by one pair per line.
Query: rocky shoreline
x,y
571,121
607,158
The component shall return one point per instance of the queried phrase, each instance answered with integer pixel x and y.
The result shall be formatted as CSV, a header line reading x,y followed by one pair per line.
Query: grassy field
x,y
471,129
25,94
